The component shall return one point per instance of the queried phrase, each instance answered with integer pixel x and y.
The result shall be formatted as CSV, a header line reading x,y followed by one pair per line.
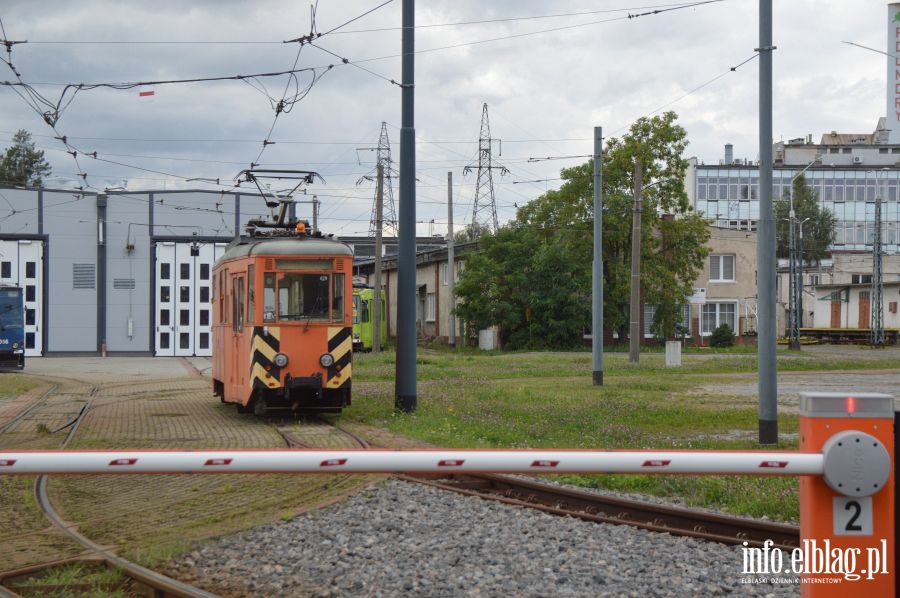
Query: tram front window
x,y
11,309
303,297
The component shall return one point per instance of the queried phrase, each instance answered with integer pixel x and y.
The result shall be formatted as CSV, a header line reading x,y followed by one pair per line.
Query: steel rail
x,y
600,508
157,581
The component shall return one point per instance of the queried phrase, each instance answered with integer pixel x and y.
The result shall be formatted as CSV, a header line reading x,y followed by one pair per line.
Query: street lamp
x,y
793,295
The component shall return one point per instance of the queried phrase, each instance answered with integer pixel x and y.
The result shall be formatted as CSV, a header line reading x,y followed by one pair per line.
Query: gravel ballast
x,y
401,538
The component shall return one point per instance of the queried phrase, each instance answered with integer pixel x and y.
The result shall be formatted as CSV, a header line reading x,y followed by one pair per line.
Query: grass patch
x,y
74,580
495,399
13,385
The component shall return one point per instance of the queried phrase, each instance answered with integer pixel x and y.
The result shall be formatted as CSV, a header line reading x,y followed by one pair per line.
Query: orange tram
x,y
282,321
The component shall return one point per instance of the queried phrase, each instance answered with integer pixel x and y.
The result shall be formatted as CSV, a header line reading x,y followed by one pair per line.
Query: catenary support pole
x,y
634,335
768,396
451,267
376,296
597,266
405,384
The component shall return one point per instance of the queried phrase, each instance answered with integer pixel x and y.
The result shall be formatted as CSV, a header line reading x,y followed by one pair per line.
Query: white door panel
x,y
21,263
183,297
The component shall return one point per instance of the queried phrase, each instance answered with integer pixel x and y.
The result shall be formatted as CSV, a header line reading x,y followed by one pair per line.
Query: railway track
x,y
589,506
600,508
513,490
160,585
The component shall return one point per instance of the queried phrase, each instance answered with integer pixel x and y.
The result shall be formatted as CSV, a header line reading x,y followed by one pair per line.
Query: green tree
x,y
559,300
493,288
673,238
471,232
818,223
549,301
23,164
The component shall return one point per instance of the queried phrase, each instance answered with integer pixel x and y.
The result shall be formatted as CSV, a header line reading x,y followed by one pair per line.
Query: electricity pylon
x,y
389,218
484,214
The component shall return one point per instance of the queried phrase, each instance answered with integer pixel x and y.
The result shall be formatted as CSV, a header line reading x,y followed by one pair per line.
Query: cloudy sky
x,y
548,71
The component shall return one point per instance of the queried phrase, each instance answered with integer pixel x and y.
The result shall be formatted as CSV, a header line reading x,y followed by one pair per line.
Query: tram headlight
x,y
327,360
280,360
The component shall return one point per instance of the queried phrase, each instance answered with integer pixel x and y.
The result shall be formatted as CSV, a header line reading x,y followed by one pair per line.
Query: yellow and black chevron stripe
x,y
340,345
263,347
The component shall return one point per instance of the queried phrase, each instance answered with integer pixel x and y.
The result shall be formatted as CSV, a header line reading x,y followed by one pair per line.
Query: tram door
x,y
21,264
183,298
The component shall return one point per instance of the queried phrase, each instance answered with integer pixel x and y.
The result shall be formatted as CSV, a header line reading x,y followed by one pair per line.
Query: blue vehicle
x,y
12,328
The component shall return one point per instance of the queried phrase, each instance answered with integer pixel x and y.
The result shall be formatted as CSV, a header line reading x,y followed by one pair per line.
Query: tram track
x,y
600,508
564,501
597,507
160,585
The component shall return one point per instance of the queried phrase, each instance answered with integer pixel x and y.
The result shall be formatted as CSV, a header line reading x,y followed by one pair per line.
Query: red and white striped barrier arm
x,y
394,461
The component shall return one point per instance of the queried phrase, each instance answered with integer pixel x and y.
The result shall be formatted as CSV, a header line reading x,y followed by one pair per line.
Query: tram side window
x,y
364,317
238,304
251,296
269,297
223,313
337,308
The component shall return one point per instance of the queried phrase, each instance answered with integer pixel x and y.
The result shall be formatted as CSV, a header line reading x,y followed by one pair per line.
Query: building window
x,y
721,268
861,279
683,326
713,315
444,269
429,308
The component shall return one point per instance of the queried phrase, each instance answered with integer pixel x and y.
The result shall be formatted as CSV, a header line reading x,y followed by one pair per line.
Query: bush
x,y
722,336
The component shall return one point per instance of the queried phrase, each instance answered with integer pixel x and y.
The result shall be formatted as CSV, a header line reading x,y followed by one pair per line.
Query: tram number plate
x,y
853,516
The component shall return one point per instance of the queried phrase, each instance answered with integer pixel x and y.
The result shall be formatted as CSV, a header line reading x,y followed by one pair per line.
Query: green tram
x,y
364,318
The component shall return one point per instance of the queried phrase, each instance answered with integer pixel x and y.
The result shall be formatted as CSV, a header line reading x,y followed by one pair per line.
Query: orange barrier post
x,y
847,514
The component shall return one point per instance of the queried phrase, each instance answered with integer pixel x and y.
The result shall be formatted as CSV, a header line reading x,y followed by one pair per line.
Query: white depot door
x,y
184,297
21,264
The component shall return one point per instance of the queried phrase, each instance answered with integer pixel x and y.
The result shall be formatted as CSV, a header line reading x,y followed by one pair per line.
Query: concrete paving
x,y
96,369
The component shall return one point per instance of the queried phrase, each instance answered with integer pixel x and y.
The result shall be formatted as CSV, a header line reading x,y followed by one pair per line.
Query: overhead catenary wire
x,y
268,138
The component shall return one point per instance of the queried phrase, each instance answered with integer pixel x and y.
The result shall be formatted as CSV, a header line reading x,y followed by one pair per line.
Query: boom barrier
x,y
846,464
419,461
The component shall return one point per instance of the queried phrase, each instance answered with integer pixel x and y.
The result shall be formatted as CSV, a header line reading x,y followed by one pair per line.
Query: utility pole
x,y
376,301
405,380
768,395
451,266
793,328
315,222
484,215
634,336
597,265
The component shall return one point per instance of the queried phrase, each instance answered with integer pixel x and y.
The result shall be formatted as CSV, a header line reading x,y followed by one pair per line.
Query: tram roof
x,y
311,246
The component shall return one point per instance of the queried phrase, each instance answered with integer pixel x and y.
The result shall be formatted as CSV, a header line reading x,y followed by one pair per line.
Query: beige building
x,y
433,305
839,294
725,292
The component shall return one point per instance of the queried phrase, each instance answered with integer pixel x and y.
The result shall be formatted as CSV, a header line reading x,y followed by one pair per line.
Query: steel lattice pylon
x,y
389,218
484,213
877,339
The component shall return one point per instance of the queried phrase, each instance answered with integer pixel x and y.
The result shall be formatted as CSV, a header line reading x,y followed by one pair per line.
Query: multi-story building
x,y
847,172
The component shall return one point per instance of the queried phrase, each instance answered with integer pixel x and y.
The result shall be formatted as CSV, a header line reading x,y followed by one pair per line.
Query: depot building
x,y
129,272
